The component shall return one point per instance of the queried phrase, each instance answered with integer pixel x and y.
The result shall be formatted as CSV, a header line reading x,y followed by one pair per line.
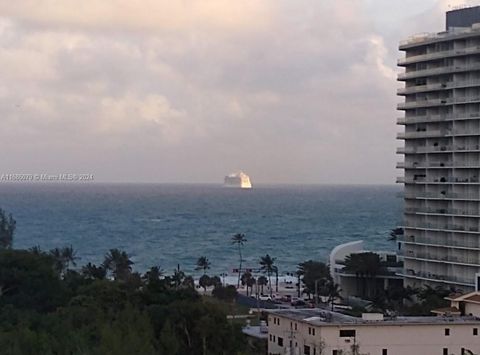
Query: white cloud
x,y
298,91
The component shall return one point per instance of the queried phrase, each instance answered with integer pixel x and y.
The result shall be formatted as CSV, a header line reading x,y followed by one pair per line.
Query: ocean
x,y
168,225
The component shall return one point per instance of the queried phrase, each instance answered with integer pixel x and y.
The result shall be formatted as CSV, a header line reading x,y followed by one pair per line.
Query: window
x,y
280,341
384,352
270,337
475,331
313,331
309,331
295,326
447,331
346,333
334,352
306,350
445,351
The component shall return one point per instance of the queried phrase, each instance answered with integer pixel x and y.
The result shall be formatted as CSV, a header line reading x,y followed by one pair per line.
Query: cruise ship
x,y
238,180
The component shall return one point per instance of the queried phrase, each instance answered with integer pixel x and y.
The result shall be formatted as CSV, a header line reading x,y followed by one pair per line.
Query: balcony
x,y
442,211
437,71
440,118
423,134
444,244
435,165
445,149
437,102
420,275
437,55
442,196
446,227
473,180
400,179
442,259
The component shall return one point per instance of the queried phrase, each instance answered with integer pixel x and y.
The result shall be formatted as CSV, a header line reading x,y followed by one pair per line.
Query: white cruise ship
x,y
238,180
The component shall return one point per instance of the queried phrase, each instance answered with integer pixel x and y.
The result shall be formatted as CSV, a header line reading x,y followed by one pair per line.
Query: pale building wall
x,y
397,339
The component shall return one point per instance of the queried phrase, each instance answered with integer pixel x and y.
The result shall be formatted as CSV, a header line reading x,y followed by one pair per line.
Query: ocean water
x,y
167,224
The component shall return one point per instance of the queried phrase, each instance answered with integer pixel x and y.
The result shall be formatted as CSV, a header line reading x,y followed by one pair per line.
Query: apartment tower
x,y
441,244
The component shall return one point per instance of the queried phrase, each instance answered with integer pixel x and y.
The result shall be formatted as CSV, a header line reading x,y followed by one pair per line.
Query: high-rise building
x,y
441,244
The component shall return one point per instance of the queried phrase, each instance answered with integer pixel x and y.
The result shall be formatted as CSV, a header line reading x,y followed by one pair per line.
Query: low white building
x,y
348,281
320,332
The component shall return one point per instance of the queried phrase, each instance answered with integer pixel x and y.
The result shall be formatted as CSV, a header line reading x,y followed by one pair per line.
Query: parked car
x,y
265,298
298,303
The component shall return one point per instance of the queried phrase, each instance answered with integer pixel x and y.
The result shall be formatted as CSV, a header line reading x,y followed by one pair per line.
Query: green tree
x,y
313,272
203,264
366,266
262,281
93,272
332,291
205,281
119,263
268,267
7,229
239,240
169,343
248,280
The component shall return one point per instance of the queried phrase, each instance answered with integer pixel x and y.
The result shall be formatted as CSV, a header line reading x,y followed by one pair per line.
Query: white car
x,y
265,298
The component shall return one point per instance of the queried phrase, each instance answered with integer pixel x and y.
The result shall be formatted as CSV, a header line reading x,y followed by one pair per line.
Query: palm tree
x,y
366,266
93,272
333,292
153,275
69,256
178,277
203,264
247,280
239,239
267,267
119,263
262,281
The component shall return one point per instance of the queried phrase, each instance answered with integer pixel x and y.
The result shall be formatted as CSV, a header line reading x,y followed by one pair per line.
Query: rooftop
x,y
320,317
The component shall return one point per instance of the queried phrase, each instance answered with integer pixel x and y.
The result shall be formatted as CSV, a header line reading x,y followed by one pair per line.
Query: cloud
x,y
298,91
145,15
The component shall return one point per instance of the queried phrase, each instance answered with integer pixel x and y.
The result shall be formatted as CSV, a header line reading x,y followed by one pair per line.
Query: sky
x,y
298,91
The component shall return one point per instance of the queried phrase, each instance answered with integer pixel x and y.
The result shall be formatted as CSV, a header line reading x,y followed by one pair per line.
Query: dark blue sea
x,y
167,224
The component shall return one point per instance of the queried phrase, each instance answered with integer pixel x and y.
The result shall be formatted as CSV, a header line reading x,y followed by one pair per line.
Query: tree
x,y
267,267
333,292
7,229
204,281
153,275
203,264
366,266
248,280
93,272
262,281
215,281
227,293
313,272
239,240
119,263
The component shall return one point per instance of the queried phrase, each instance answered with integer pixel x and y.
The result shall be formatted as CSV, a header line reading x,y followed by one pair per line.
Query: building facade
x,y
441,244
319,332
348,281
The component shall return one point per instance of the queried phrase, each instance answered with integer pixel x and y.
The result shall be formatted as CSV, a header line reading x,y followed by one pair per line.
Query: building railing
x,y
447,259
437,277
439,149
445,226
439,196
437,118
448,243
436,102
437,71
440,54
446,211
437,86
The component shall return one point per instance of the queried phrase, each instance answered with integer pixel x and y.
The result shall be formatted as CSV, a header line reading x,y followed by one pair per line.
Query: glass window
x,y
280,341
347,333
447,331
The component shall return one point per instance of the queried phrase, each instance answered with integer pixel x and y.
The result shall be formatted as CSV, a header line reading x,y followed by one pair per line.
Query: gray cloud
x,y
298,91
